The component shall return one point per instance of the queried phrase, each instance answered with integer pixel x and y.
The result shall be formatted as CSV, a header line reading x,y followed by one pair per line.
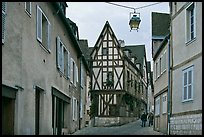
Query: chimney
x,y
122,43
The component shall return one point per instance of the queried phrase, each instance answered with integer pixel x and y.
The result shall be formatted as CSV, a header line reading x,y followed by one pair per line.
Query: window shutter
x,y
62,58
3,21
58,52
75,71
77,78
49,36
82,76
73,109
71,64
39,24
68,64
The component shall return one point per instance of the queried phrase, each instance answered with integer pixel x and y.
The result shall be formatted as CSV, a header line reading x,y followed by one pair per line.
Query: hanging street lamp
x,y
134,20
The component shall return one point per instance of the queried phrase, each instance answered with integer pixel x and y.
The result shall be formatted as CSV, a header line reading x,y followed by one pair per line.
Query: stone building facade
x,y
42,65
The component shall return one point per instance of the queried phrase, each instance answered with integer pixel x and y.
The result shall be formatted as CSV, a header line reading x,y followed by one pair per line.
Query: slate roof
x,y
160,24
138,51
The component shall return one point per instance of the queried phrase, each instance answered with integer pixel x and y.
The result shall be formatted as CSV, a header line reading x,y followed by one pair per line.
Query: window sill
x,y
189,100
46,50
190,41
29,14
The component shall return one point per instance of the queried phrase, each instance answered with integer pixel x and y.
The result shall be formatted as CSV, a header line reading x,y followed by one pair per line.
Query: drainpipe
x,y
168,93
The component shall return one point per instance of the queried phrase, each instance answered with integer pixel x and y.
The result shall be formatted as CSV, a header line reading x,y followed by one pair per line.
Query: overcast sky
x,y
90,17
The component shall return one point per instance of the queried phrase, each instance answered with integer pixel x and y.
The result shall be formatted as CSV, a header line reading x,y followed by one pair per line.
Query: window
x,y
74,108
159,66
82,76
157,105
187,87
190,23
68,64
60,55
28,8
63,58
163,62
3,21
156,70
109,81
164,103
104,51
43,30
74,72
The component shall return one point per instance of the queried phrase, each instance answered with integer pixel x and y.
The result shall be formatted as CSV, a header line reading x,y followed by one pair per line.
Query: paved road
x,y
133,128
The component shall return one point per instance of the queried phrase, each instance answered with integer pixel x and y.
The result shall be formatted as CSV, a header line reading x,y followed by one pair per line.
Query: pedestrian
x,y
150,118
144,119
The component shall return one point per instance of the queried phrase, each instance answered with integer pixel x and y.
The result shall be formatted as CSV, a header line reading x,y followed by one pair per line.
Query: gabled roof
x,y
137,51
160,24
106,26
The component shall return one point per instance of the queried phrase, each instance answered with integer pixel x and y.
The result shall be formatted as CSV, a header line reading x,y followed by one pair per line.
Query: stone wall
x,y
111,121
186,125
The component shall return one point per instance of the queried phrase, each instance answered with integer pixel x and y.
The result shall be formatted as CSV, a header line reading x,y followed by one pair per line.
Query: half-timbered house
x,y
116,81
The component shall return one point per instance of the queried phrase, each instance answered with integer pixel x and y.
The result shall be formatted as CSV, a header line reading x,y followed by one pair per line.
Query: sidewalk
x,y
148,131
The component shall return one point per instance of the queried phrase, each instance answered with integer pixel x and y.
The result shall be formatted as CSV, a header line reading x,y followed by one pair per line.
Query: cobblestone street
x,y
133,128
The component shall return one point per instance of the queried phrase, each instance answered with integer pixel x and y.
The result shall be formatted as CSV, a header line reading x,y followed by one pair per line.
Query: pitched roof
x,y
137,51
106,26
160,24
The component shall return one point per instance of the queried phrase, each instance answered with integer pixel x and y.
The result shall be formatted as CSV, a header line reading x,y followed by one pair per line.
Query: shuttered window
x,y
43,29
187,84
63,58
58,53
71,74
75,75
3,21
68,67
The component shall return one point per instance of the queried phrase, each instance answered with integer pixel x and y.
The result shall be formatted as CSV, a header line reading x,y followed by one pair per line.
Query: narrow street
x,y
133,128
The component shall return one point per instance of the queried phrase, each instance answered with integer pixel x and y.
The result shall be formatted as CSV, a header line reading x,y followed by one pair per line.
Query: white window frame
x,y
4,14
74,109
39,27
187,70
164,103
157,106
27,9
188,23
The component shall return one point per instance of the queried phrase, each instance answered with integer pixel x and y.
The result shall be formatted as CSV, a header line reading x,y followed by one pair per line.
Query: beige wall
x,y
161,82
183,52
